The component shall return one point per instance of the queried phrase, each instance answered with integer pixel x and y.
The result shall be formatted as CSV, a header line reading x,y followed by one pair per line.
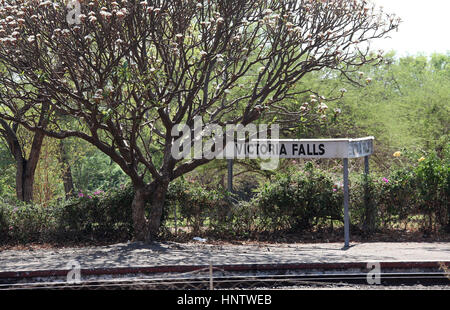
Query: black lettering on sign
x,y
321,149
283,150
239,147
294,148
302,149
248,149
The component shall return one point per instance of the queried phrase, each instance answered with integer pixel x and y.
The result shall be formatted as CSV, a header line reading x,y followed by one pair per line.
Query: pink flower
x,y
334,190
80,194
385,180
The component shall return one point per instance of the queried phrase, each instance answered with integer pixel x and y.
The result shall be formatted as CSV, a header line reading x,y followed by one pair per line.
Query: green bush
x,y
298,200
397,197
195,204
23,223
432,185
244,220
417,190
98,216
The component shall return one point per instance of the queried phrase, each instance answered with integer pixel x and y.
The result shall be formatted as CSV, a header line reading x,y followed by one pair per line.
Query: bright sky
x,y
425,27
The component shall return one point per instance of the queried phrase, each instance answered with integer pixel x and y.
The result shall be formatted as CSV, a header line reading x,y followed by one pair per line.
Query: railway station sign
x,y
305,148
300,148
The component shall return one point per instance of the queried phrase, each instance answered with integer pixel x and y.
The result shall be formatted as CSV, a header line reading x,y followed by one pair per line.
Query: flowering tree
x,y
126,72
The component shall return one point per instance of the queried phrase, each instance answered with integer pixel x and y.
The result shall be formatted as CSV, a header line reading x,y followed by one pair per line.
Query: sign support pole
x,y
230,175
346,203
366,165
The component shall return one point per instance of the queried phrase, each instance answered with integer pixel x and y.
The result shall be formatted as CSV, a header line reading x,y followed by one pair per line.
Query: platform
x,y
126,255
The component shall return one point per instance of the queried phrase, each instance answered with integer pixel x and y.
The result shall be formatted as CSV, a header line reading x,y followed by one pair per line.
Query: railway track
x,y
237,282
235,277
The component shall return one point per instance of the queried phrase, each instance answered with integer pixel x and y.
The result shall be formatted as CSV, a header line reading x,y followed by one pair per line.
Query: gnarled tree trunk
x,y
140,225
66,171
158,198
25,168
146,228
24,180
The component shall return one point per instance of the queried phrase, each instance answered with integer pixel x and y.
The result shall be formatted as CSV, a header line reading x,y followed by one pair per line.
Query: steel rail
x,y
242,282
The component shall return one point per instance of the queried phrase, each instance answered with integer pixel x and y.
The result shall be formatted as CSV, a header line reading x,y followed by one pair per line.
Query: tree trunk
x,y
25,180
156,210
28,184
140,224
20,176
66,171
25,168
447,227
147,229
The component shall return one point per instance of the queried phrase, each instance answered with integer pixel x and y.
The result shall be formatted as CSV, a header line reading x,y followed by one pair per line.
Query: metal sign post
x,y
346,202
230,175
305,148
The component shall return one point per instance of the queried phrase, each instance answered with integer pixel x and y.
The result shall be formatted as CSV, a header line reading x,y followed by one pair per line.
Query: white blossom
x,y
105,14
45,4
323,106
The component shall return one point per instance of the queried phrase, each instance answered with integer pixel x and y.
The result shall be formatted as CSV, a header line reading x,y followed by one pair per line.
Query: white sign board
x,y
301,148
